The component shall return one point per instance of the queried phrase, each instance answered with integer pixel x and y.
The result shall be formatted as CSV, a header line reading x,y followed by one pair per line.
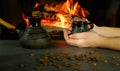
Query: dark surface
x,y
12,55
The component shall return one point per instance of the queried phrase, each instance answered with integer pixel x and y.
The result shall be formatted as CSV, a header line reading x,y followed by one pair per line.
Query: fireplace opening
x,y
100,12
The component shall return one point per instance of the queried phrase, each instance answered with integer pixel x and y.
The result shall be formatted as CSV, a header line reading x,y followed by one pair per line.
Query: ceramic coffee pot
x,y
35,36
81,26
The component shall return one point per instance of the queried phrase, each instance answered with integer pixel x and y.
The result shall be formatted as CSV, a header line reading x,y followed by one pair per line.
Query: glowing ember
x,y
36,6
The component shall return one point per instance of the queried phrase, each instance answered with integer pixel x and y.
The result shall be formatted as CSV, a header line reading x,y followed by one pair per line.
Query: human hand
x,y
84,39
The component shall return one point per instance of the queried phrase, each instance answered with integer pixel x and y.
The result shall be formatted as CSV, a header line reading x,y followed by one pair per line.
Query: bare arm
x,y
107,31
110,43
92,39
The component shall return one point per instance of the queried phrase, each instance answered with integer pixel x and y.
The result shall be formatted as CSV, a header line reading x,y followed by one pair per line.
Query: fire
x,y
70,8
36,6
25,19
62,16
65,13
83,12
63,21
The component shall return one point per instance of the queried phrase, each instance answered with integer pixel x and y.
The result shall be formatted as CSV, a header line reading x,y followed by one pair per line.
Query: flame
x,y
64,23
36,6
65,12
25,19
70,8
83,12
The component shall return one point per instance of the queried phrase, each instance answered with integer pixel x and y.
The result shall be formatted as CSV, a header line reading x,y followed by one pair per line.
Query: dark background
x,y
102,13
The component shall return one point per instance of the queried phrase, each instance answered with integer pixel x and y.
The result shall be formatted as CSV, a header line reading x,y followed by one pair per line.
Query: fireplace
x,y
97,13
60,16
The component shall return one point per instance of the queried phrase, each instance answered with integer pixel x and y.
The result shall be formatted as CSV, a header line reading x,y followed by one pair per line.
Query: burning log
x,y
60,15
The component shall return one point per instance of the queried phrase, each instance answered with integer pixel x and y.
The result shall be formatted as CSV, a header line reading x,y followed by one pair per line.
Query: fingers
x,y
66,37
73,36
79,35
74,39
70,29
95,26
65,34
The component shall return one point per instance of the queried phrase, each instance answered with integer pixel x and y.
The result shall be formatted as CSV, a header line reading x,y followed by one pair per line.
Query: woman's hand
x,y
84,39
93,38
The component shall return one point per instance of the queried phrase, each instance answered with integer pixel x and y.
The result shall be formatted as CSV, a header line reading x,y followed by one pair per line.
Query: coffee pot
x,y
81,26
35,36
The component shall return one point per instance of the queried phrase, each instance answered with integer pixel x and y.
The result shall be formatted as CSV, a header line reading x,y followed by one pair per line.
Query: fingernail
x,y
70,35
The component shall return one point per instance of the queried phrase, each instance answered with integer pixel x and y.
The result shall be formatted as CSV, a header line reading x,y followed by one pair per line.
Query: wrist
x,y
102,42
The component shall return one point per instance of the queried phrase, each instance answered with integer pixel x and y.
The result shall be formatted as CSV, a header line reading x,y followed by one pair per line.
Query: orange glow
x,y
83,12
64,23
65,12
25,19
36,6
46,22
70,8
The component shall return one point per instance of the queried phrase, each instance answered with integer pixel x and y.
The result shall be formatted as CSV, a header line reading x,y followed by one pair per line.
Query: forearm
x,y
107,31
110,43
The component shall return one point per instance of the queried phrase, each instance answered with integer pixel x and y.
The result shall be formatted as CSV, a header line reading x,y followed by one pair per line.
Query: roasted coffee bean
x,y
113,57
94,64
117,64
59,66
105,61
